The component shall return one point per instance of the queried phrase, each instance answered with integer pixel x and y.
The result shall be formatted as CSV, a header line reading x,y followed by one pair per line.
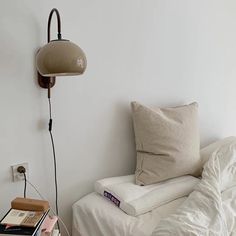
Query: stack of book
x,y
20,222
24,218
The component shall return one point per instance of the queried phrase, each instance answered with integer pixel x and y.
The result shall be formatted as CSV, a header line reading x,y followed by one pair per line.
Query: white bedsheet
x,y
94,215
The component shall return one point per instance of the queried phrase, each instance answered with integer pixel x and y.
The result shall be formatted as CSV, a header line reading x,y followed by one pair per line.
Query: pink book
x,y
48,225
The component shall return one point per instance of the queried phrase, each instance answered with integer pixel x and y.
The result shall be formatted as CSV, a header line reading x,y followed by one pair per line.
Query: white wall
x,y
157,52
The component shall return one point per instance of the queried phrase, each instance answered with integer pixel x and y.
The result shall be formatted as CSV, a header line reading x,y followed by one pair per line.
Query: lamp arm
x,y
58,23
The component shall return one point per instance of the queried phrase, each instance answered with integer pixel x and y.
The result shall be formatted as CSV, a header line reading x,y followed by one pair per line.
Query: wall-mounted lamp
x,y
59,57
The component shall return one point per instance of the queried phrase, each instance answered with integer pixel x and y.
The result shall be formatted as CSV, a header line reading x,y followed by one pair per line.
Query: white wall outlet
x,y
16,176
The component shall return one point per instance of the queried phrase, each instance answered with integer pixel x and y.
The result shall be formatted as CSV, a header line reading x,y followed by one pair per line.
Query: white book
x,y
23,218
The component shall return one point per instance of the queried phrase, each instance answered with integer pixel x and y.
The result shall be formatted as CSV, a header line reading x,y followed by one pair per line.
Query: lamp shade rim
x,y
61,74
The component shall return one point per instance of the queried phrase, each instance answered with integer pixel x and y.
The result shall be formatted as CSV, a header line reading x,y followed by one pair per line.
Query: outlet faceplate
x,y
16,176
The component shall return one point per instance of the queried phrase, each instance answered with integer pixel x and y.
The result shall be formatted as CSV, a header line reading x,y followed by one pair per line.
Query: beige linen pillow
x,y
167,142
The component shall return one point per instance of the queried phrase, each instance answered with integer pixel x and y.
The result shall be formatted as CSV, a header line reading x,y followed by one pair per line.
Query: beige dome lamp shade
x,y
58,57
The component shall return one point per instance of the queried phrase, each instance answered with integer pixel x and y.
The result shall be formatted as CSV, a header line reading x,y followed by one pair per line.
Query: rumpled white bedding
x,y
210,210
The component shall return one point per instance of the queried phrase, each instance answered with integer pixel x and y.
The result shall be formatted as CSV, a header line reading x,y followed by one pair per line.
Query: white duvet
x,y
210,210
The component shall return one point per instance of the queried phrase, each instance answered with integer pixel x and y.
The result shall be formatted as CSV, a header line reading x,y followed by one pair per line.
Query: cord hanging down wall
x,y
54,159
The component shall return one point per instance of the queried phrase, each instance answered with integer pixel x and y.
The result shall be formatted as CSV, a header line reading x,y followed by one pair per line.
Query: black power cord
x,y
54,158
25,185
22,170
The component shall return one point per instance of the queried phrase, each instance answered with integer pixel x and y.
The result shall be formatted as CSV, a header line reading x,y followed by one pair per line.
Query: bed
x,y
94,215
165,196
121,207
210,208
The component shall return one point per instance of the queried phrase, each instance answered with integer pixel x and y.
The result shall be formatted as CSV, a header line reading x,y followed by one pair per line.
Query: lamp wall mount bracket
x,y
45,82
